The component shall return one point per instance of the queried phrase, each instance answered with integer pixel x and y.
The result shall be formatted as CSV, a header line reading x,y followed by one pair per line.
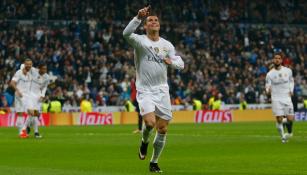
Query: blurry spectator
x,y
217,104
89,56
243,103
55,106
86,104
197,104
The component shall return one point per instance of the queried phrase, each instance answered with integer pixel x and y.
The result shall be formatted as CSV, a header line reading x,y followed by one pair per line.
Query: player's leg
x,y
289,125
158,143
27,123
19,121
20,109
279,113
140,119
289,110
280,128
147,109
35,122
149,124
27,106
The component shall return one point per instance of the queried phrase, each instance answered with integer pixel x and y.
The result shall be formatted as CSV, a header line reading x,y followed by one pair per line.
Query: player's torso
x,y
150,66
280,77
24,82
280,83
37,82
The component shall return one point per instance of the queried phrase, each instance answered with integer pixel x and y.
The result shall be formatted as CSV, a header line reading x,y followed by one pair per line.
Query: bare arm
x,y
268,85
13,84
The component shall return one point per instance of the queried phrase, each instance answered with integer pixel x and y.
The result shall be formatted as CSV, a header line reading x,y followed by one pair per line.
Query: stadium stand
x,y
226,45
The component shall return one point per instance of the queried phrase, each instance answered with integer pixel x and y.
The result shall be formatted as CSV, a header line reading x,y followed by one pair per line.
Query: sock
x,y
280,129
146,133
158,146
35,124
140,122
27,123
284,123
289,126
19,123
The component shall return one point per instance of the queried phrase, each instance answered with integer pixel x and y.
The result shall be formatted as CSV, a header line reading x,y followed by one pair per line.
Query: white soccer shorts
x,y
32,102
282,108
158,102
19,104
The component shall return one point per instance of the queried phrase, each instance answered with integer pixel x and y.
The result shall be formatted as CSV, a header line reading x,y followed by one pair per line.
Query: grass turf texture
x,y
192,149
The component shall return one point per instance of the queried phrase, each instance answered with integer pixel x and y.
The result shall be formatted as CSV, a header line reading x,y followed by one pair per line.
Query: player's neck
x,y
24,71
277,67
154,35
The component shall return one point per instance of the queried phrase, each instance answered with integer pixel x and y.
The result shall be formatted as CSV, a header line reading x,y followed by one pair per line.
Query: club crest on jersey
x,y
164,49
156,49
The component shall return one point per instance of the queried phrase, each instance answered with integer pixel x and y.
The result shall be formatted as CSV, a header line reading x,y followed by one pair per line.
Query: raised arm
x,y
128,33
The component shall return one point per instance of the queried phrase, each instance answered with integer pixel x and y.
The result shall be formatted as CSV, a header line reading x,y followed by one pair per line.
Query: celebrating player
x,y
21,82
39,84
152,55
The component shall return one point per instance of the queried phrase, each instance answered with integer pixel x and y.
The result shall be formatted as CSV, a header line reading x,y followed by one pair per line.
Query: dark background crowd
x,y
227,46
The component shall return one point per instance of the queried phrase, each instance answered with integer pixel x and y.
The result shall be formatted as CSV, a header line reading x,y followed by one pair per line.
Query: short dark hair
x,y
42,64
27,59
281,54
151,14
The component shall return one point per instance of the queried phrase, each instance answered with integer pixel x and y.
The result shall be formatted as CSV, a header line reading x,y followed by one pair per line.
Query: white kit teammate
x,y
152,56
39,84
280,85
21,83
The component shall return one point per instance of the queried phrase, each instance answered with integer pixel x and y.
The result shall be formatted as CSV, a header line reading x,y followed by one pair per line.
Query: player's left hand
x,y
167,61
291,94
41,99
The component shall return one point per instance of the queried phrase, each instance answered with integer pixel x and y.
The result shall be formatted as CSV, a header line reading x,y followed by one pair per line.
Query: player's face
x,y
277,60
43,70
152,23
28,65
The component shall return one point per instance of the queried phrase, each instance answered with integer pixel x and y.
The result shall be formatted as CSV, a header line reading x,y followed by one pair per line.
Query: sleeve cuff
x,y
136,19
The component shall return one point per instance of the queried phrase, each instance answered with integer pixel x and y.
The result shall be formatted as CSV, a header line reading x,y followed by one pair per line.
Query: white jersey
x,y
39,83
281,84
151,71
23,82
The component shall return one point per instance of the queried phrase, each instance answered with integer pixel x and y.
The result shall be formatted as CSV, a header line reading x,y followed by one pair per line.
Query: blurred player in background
x,y
39,83
152,56
21,83
135,103
280,85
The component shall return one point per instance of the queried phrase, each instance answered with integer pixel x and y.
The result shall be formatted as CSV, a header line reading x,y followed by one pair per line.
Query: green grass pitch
x,y
191,149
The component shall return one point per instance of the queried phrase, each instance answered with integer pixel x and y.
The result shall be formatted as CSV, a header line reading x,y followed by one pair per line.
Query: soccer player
x,y
152,56
21,83
39,83
280,85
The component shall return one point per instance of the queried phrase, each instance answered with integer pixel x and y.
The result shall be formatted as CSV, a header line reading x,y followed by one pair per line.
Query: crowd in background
x,y
227,47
